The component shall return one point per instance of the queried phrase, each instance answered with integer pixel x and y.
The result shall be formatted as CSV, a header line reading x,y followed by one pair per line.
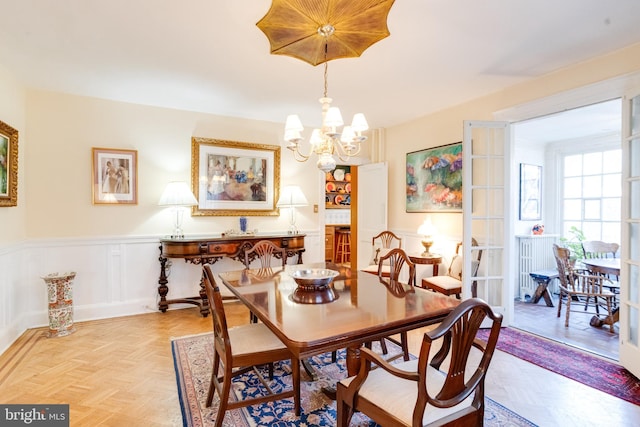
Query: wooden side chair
x,y
451,283
598,249
418,393
238,350
579,288
380,245
268,253
396,261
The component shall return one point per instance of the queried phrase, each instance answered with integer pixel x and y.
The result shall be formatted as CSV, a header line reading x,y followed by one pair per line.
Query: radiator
x,y
535,253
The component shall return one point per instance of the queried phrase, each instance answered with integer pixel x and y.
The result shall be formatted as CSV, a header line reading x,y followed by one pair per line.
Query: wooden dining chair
x,y
240,349
418,392
451,283
578,287
396,262
267,253
380,246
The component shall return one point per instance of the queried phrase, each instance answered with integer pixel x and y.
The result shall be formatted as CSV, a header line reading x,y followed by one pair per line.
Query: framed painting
x,y
115,176
232,178
530,192
8,165
434,179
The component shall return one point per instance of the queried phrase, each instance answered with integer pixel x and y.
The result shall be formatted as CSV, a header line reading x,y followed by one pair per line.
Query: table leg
x,y
163,289
542,291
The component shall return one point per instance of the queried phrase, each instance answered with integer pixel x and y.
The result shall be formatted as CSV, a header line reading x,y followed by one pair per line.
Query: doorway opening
x,y
547,141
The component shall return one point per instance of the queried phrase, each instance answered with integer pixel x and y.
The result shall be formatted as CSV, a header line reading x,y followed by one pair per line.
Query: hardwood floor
x,y
119,372
542,320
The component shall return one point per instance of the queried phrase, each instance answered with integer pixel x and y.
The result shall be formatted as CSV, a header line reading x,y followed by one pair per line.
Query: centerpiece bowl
x,y
314,285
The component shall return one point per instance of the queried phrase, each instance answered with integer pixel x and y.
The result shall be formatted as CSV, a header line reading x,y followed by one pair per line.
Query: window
x,y
592,194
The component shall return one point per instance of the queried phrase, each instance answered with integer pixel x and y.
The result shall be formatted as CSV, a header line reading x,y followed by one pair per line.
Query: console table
x,y
209,250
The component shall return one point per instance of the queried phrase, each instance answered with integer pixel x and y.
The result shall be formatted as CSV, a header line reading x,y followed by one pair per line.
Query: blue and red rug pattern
x,y
193,357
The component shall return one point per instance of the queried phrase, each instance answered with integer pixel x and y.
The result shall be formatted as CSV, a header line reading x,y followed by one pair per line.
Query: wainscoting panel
x,y
115,277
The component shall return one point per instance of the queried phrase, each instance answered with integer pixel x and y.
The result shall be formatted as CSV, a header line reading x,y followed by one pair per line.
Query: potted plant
x,y
574,243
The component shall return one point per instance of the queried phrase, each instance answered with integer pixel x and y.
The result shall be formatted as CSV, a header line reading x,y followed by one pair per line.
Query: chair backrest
x,y
383,243
455,268
458,330
397,259
222,342
565,269
598,249
265,251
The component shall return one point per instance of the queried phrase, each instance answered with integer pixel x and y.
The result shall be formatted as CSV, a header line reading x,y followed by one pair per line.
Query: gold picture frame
x,y
231,178
8,165
114,176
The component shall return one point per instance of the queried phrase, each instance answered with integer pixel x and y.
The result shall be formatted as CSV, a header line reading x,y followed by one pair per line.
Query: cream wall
x,y
445,127
64,128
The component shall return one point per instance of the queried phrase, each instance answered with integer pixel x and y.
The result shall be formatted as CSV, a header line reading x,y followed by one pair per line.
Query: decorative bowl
x,y
314,285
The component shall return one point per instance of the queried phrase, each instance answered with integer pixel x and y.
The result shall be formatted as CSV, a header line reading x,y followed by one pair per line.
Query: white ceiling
x,y
209,56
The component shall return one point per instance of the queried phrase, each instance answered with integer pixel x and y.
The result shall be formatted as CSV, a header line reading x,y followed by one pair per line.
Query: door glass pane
x,y
634,202
635,115
634,284
633,326
634,241
634,149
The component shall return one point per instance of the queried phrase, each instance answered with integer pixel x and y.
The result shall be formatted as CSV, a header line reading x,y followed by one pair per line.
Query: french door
x,y
630,250
486,213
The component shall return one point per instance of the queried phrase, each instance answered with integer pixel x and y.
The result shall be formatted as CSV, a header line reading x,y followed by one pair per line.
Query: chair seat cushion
x,y
253,338
443,282
402,400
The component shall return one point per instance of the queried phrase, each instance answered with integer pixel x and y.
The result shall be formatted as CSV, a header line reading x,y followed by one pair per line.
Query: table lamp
x,y
427,230
178,196
291,197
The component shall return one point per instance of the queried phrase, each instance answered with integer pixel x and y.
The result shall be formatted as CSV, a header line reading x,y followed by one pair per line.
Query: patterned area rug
x,y
193,357
571,363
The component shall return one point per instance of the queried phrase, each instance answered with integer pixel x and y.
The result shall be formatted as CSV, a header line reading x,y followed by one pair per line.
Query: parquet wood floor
x,y
119,372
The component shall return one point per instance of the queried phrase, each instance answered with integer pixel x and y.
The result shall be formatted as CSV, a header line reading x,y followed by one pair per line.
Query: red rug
x,y
577,365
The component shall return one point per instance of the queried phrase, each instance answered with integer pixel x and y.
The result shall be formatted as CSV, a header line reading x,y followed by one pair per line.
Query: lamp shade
x,y
427,228
291,195
177,193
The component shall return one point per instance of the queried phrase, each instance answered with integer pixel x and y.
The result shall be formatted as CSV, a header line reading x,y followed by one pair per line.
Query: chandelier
x,y
328,139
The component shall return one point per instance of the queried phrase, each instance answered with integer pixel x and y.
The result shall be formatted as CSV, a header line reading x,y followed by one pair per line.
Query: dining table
x,y
606,267
361,310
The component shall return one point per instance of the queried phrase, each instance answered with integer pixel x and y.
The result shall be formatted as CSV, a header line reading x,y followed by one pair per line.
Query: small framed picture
x,y
530,192
115,176
8,165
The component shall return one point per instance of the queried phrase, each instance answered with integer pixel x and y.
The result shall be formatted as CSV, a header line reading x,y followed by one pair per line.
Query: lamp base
x,y
427,246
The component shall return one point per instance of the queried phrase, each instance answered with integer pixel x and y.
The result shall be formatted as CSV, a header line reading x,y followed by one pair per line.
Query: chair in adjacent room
x,y
418,392
380,245
451,283
577,287
397,260
268,253
240,349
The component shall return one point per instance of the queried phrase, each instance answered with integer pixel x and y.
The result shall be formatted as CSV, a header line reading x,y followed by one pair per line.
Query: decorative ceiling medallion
x,y
318,31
